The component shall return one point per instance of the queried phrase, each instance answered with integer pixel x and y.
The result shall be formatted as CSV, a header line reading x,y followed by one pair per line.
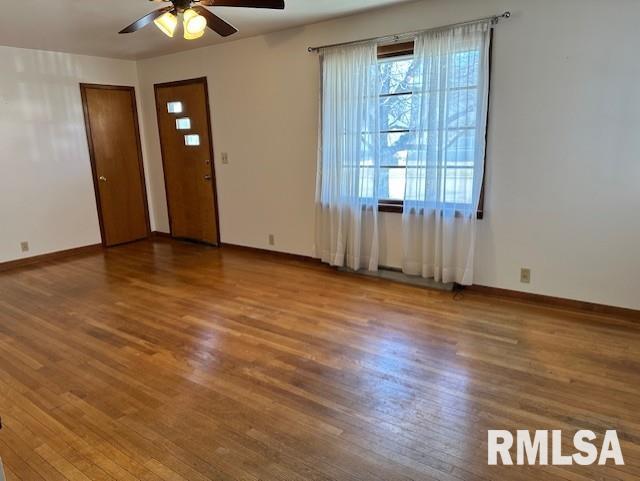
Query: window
x,y
406,127
396,71
397,79
174,107
399,135
183,123
192,140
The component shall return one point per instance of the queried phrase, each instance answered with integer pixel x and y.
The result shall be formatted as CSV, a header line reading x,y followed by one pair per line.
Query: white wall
x,y
46,189
564,149
563,166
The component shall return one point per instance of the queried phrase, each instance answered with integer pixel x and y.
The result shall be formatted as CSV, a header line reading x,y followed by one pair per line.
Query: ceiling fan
x,y
195,17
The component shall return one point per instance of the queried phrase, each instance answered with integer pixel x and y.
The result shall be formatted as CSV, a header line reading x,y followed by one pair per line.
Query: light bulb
x,y
194,24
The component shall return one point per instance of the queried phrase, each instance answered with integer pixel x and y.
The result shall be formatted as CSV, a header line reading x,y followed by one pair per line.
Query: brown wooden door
x,y
111,121
187,155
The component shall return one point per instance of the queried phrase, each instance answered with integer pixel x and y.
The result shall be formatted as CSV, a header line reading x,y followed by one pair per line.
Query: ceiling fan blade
x,y
215,23
275,4
146,20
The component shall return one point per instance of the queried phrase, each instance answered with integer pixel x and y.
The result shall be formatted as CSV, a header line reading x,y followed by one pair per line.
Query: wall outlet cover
x,y
525,275
24,246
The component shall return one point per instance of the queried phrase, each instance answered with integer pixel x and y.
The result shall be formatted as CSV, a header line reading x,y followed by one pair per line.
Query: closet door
x,y
111,122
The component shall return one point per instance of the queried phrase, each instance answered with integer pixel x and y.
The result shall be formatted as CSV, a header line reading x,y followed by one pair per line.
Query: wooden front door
x,y
187,156
111,120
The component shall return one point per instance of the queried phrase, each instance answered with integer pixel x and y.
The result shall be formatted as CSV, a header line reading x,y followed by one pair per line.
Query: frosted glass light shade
x,y
194,24
167,23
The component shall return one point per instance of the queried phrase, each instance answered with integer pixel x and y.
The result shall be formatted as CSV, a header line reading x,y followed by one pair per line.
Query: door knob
x,y
207,177
102,178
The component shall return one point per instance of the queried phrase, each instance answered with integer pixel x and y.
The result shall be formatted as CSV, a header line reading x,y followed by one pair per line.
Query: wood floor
x,y
172,361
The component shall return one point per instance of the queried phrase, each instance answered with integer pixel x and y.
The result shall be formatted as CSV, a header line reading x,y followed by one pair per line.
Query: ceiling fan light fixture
x,y
167,23
194,24
195,17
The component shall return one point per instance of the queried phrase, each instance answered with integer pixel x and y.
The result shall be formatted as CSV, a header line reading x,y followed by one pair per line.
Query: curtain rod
x,y
494,20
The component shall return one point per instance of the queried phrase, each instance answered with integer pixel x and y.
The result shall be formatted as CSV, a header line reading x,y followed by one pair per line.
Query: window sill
x,y
397,208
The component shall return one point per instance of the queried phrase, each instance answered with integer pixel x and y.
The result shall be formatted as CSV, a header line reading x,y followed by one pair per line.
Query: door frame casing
x,y
178,83
94,170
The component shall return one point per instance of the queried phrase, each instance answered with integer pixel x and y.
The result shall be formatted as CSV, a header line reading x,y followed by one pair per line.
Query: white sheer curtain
x,y
444,176
346,193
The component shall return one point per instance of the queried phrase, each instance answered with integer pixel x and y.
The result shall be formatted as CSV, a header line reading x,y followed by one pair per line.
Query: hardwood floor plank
x,y
162,360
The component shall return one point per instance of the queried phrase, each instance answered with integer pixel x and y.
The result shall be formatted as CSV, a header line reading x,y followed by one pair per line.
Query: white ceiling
x,y
90,26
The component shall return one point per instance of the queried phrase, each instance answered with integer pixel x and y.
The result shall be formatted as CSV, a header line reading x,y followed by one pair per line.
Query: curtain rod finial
x,y
497,18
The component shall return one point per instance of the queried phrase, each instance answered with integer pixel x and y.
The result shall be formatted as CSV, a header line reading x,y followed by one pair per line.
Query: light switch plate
x,y
225,158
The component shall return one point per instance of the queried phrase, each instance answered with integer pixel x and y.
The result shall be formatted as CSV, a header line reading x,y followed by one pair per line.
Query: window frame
x,y
402,50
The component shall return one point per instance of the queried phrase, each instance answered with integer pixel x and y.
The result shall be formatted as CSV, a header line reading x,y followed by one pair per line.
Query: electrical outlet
x,y
272,240
225,157
525,275
24,246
